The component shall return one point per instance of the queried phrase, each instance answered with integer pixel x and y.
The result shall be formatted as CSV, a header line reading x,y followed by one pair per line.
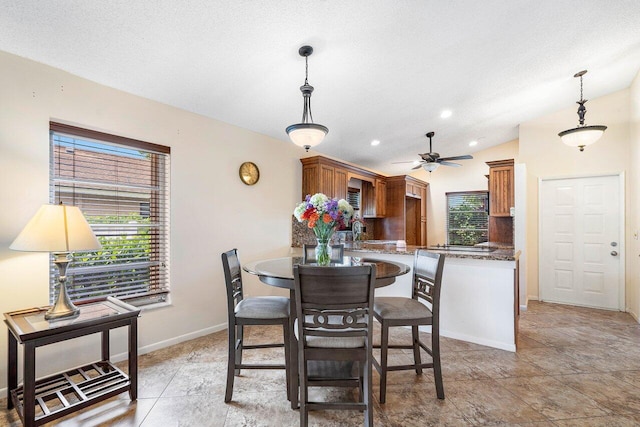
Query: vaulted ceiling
x,y
381,69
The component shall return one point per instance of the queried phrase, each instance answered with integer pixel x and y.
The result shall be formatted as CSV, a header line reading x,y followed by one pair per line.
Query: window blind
x,y
467,218
122,187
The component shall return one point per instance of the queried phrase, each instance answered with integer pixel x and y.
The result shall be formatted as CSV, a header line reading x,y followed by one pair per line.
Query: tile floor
x,y
574,367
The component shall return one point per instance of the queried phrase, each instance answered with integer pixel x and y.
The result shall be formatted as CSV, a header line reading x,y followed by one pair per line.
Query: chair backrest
x,y
309,253
233,279
334,301
427,278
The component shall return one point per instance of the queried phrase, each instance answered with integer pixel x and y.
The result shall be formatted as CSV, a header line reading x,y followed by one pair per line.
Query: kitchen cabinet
x,y
374,198
406,211
501,200
501,194
331,177
320,176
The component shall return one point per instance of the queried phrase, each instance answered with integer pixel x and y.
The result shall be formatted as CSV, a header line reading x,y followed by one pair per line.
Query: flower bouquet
x,y
324,216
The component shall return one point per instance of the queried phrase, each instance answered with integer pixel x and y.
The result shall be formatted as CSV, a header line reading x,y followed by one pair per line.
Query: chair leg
x,y
293,351
367,393
231,363
287,357
437,367
240,340
416,349
384,349
304,411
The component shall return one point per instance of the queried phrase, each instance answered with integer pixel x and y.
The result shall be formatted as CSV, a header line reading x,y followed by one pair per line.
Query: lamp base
x,y
63,307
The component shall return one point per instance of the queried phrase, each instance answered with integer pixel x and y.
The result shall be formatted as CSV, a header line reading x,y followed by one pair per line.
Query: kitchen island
x,y
479,289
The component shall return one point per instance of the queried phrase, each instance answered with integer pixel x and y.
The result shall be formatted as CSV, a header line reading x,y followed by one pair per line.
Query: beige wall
x,y
546,156
211,210
633,207
470,177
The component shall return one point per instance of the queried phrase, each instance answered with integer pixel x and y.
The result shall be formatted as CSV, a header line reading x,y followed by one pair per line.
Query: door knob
x,y
614,253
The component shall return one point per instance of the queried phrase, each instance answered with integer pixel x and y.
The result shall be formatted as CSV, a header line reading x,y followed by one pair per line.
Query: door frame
x,y
622,230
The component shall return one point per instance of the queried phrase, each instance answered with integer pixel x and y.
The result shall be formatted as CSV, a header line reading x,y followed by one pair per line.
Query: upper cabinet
x,y
501,187
331,177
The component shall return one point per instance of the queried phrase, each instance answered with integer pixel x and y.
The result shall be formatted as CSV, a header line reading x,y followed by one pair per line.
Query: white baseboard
x,y
475,340
633,314
481,341
174,340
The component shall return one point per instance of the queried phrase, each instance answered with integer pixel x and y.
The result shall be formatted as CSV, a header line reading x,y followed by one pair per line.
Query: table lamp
x,y
59,229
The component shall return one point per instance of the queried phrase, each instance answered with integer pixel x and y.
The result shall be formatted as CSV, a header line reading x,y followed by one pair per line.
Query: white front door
x,y
580,242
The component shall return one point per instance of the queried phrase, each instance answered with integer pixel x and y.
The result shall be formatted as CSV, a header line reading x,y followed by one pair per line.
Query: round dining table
x,y
279,271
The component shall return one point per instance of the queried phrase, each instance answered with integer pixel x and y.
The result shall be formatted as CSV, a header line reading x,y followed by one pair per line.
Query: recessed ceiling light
x,y
473,143
375,142
446,114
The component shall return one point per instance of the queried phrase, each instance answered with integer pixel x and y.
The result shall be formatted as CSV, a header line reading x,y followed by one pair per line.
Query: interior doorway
x,y
581,246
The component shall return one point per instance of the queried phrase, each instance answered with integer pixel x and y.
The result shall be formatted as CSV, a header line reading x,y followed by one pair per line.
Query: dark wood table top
x,y
279,271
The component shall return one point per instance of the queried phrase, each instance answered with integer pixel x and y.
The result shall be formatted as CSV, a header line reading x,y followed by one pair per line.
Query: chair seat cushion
x,y
263,308
332,342
400,308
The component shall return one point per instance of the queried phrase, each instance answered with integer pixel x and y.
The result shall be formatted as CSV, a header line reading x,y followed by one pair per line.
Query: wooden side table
x,y
46,399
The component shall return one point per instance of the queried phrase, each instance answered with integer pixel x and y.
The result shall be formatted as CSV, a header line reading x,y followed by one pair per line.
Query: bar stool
x,y
271,310
401,311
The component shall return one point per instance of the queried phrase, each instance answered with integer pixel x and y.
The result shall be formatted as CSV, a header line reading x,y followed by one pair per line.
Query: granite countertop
x,y
495,252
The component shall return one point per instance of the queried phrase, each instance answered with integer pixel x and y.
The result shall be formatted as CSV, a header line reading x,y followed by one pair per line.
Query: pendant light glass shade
x,y
306,134
582,135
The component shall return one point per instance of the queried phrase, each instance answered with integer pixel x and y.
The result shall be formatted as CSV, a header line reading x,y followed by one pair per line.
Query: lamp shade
x,y
431,166
56,228
582,136
307,135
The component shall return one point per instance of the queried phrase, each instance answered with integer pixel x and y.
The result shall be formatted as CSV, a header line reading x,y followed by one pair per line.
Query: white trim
x,y
489,343
468,338
621,231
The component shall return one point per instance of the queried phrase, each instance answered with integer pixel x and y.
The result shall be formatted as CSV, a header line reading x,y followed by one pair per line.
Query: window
x,y
467,218
122,187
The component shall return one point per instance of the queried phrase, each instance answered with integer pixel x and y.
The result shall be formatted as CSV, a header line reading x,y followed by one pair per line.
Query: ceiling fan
x,y
431,160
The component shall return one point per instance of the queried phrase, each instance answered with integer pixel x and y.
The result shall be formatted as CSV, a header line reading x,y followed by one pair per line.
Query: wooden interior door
x,y
412,218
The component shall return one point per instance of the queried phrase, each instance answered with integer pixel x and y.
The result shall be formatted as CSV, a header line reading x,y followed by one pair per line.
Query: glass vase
x,y
323,251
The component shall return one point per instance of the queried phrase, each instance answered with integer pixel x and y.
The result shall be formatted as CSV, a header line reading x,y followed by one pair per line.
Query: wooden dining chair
x,y
334,324
309,253
401,311
267,310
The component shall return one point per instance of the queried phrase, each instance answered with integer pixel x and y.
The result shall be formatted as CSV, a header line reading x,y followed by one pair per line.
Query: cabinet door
x,y
310,180
501,197
341,183
381,198
410,190
327,180
423,216
368,200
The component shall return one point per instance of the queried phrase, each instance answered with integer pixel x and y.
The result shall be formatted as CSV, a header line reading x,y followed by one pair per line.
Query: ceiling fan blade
x,y
465,157
398,163
456,165
417,167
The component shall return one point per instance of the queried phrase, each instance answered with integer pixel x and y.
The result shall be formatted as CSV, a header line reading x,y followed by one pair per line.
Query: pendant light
x,y
306,134
582,135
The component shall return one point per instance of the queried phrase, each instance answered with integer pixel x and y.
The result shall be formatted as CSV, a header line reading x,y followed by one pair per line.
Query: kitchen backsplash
x,y
301,234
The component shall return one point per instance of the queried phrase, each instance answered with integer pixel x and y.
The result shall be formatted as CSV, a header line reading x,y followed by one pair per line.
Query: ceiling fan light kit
x,y
582,135
306,134
432,160
430,167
